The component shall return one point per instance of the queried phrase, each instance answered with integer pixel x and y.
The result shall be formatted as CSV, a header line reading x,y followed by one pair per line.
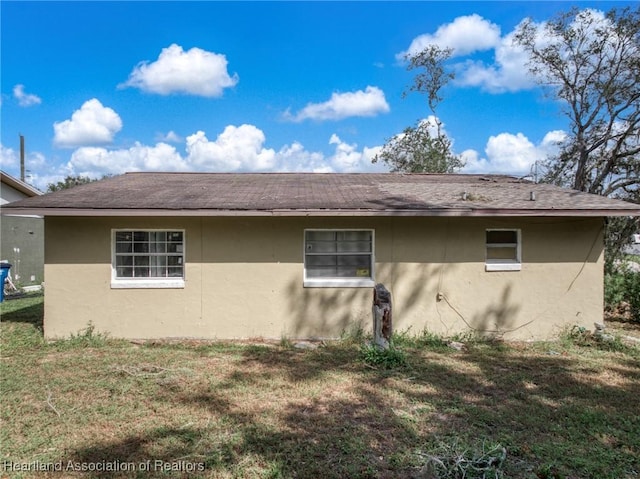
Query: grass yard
x,y
98,408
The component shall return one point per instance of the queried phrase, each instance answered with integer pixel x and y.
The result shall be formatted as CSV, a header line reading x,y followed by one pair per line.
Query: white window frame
x,y
338,282
159,283
504,264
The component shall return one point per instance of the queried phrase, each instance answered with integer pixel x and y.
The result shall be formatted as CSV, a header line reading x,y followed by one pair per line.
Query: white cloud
x,y
347,158
511,154
25,99
42,181
96,162
369,102
432,125
508,72
295,158
465,35
170,137
552,140
92,124
8,158
194,72
34,162
468,35
235,149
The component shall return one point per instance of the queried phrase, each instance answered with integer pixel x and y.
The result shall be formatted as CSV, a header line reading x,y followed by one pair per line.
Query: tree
x,y
590,62
418,150
424,148
69,182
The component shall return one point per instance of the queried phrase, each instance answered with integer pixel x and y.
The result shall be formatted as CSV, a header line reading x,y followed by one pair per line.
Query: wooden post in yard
x,y
382,325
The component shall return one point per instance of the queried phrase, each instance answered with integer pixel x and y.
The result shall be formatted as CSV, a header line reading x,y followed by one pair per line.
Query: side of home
x,y
220,256
312,277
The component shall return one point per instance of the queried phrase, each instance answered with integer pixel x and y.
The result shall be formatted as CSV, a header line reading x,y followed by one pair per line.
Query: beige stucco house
x,y
219,256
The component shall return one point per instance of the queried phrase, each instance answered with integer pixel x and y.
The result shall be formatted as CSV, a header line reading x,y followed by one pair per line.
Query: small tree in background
x,y
68,182
424,148
418,150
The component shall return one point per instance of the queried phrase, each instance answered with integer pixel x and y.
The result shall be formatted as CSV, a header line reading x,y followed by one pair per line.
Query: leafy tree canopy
x,y
424,148
420,149
590,63
68,182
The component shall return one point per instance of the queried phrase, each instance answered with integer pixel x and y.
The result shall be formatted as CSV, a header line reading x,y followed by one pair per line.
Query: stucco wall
x,y
21,241
22,245
8,194
244,278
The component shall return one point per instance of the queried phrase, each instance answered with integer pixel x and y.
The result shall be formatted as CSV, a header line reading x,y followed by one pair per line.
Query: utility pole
x,y
21,158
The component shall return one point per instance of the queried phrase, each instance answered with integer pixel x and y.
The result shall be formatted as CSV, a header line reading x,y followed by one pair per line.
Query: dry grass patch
x,y
558,410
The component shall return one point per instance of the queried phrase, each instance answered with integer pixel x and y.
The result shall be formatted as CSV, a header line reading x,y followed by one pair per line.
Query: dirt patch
x,y
619,322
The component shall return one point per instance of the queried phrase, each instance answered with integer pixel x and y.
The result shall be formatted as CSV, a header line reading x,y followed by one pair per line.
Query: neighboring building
x,y
206,255
22,237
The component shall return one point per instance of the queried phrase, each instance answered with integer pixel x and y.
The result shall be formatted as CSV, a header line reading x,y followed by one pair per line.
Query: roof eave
x,y
160,212
19,185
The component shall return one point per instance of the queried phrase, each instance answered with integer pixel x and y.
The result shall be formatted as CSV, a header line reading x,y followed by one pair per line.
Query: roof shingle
x,y
320,193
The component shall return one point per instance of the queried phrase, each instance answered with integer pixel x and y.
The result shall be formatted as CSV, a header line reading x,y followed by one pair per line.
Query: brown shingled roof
x,y
319,194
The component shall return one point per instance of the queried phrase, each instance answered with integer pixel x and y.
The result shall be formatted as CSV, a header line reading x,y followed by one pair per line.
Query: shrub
x,y
623,285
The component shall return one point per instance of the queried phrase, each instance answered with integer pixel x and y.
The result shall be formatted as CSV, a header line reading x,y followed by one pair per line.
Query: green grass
x,y
566,409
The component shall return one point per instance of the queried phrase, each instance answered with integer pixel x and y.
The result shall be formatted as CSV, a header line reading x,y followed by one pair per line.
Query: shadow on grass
x,y
30,310
341,419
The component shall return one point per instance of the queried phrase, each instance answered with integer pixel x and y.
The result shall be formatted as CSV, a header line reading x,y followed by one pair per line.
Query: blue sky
x,y
107,87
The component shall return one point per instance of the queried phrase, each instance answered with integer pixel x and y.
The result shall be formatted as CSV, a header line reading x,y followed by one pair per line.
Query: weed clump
x,y
87,338
389,358
452,461
582,337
